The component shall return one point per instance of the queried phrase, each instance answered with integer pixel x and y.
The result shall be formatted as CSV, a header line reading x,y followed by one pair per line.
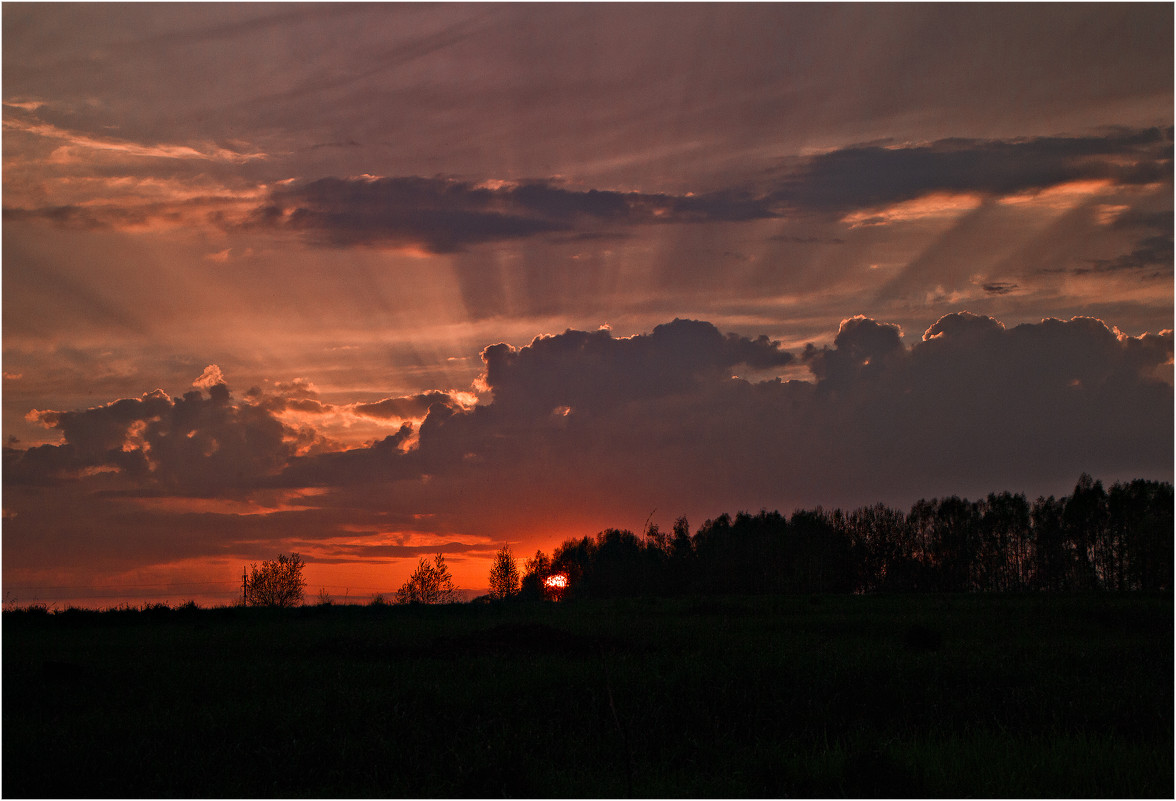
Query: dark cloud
x,y
449,215
807,240
1153,251
68,216
402,408
297,395
970,407
132,214
385,460
870,176
192,445
445,215
999,287
440,215
588,370
861,345
584,428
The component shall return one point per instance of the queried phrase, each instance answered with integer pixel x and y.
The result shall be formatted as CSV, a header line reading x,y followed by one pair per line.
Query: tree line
x,y
1092,539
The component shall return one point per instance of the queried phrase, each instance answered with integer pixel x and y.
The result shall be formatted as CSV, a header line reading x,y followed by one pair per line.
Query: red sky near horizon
x,y
371,282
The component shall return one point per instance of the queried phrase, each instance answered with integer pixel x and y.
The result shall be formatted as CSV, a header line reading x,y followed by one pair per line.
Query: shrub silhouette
x,y
276,583
430,583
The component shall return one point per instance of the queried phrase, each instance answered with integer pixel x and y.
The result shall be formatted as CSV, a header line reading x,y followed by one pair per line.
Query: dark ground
x,y
990,696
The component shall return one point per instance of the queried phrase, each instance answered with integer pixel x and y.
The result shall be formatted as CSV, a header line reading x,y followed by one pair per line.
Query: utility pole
x,y
244,585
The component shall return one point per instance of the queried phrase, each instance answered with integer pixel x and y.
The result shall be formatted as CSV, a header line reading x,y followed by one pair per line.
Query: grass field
x,y
1024,696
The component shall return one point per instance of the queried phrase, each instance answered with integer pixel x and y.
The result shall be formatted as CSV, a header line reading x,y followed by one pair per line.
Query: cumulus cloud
x,y
969,407
861,344
585,429
192,445
586,370
298,395
211,376
412,406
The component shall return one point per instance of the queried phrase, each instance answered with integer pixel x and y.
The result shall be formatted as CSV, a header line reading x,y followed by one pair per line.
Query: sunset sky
x,y
370,282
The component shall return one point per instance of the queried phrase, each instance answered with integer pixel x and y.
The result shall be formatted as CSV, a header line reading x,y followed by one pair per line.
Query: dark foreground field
x,y
794,696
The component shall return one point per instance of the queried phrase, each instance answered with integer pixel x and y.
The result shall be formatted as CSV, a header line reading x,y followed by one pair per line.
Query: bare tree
x,y
430,583
276,583
504,574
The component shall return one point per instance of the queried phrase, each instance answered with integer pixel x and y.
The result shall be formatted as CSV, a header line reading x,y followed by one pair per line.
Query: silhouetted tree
x,y
1140,515
430,583
504,575
276,583
535,573
762,544
818,555
681,564
682,547
920,545
1050,553
616,567
877,536
656,539
576,558
1085,518
1004,543
717,553
956,543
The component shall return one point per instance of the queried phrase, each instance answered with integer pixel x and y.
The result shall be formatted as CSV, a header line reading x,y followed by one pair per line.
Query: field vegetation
x,y
1061,695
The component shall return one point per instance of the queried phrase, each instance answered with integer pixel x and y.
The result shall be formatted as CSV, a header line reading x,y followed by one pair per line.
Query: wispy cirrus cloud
x,y
204,151
130,214
84,181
